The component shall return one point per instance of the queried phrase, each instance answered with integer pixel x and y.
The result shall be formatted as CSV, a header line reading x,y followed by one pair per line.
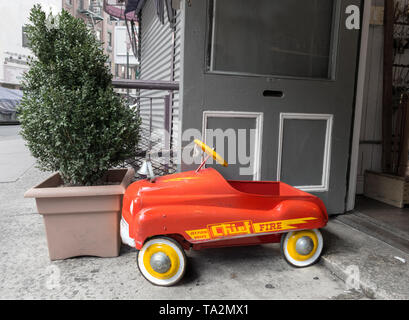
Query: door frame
x,y
359,97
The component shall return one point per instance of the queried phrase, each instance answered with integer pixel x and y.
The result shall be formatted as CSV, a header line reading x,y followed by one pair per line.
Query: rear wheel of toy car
x,y
302,248
162,261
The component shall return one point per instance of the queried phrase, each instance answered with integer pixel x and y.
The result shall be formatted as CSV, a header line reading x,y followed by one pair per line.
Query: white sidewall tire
x,y
305,263
182,262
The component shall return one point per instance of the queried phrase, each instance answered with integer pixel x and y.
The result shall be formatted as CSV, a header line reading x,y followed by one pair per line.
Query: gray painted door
x,y
284,68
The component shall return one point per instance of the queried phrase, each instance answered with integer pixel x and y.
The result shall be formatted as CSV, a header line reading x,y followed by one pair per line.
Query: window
x,y
272,37
109,39
24,38
68,2
99,34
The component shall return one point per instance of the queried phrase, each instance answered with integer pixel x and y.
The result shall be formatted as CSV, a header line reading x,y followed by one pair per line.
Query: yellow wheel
x,y
162,261
302,248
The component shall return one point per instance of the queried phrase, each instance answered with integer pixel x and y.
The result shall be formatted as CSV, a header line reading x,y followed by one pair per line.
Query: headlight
x,y
136,205
131,208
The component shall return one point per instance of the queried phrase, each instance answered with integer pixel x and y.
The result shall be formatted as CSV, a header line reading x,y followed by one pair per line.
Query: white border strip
x,y
327,148
258,116
359,101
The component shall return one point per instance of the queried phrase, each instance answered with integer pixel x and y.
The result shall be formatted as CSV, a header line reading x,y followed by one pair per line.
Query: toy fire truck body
x,y
165,216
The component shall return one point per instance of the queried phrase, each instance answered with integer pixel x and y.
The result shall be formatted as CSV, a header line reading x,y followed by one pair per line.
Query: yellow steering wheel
x,y
211,152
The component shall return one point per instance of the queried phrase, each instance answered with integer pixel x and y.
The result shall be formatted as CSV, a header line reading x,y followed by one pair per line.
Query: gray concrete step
x,y
365,262
378,229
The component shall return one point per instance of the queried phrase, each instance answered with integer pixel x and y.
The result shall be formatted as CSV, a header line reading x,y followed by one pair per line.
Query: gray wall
x,y
370,154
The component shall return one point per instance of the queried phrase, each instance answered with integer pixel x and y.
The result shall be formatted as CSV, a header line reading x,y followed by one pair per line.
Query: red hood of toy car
x,y
190,182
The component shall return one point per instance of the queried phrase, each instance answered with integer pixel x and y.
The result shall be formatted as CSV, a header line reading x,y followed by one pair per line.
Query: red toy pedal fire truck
x,y
164,216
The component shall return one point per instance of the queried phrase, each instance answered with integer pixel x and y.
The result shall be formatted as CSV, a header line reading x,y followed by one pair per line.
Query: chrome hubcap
x,y
160,262
304,246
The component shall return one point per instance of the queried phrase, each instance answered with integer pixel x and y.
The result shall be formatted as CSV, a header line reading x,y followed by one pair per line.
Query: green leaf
x,y
71,117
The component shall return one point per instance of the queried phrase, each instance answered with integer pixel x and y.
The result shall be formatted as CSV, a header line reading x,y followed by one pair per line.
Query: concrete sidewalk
x,y
14,157
257,272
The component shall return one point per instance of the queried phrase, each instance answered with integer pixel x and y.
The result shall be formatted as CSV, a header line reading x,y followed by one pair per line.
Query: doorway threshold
x,y
381,221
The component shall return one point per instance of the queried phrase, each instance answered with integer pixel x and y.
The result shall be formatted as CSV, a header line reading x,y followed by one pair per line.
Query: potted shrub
x,y
75,124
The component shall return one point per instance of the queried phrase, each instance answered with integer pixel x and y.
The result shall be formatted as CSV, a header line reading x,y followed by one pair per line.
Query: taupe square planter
x,y
82,221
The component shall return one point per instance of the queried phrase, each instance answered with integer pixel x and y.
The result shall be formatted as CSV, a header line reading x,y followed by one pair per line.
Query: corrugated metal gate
x,y
176,77
160,60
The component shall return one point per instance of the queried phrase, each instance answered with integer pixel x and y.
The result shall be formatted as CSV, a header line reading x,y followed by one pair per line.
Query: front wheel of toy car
x,y
302,248
162,261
